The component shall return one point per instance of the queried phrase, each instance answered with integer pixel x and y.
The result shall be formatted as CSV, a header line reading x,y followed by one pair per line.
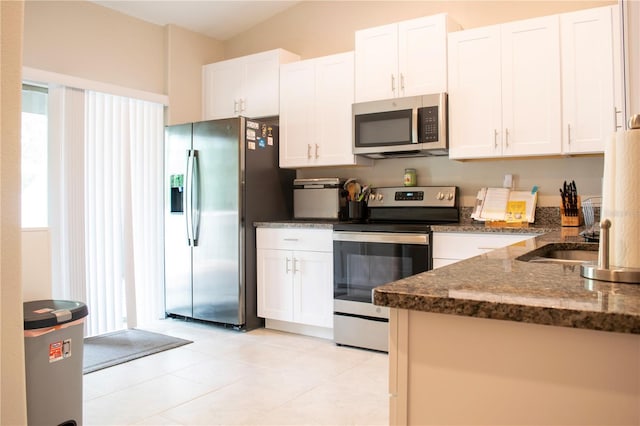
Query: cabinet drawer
x,y
463,246
295,239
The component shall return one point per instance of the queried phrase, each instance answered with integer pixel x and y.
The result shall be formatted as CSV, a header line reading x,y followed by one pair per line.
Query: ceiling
x,y
217,19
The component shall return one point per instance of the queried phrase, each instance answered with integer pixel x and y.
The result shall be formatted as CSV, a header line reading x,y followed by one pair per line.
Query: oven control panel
x,y
414,196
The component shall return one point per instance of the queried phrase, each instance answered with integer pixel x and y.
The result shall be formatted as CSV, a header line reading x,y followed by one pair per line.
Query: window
x,y
34,157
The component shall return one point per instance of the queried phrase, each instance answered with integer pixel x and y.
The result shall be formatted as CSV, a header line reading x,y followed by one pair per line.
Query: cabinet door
x,y
313,288
334,96
377,63
422,55
297,120
587,80
260,92
475,104
531,87
450,247
275,284
222,89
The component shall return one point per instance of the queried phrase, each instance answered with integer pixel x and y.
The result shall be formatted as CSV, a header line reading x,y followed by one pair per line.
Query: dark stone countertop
x,y
495,285
298,223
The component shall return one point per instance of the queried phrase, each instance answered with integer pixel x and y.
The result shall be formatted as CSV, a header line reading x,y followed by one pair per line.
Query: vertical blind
x,y
111,198
123,210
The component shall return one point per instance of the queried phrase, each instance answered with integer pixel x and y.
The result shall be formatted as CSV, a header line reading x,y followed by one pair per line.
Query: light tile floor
x,y
225,377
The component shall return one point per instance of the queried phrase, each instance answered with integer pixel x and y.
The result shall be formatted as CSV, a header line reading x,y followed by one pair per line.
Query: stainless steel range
x,y
393,243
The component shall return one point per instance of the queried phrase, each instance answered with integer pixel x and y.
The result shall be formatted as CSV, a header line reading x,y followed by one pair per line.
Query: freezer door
x,y
216,261
177,252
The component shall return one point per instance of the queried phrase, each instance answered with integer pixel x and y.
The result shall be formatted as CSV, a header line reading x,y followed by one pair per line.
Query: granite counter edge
x,y
552,316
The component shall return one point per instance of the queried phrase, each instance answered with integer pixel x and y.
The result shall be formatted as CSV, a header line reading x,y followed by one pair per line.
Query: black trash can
x,y
53,347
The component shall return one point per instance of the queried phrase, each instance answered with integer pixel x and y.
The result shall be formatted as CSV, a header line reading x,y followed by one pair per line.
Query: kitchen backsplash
x,y
546,173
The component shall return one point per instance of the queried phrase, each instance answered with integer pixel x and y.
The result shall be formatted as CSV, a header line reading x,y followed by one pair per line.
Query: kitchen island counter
x,y
496,285
496,340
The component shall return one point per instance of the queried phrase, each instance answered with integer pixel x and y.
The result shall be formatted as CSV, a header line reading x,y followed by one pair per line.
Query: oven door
x,y
361,262
365,260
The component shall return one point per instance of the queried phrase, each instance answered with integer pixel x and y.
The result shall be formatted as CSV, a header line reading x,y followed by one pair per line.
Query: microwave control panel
x,y
428,119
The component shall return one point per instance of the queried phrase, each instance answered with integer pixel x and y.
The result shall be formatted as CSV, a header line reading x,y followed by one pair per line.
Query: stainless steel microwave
x,y
401,127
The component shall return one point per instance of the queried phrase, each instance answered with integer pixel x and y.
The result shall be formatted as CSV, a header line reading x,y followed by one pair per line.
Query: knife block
x,y
571,220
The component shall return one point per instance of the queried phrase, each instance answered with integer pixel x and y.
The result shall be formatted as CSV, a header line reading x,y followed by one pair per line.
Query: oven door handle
x,y
382,237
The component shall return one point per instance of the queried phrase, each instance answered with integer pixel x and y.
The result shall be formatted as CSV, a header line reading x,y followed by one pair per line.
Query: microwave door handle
x,y
414,126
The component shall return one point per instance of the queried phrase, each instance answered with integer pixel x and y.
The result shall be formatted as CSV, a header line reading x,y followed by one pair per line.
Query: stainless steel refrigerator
x,y
221,176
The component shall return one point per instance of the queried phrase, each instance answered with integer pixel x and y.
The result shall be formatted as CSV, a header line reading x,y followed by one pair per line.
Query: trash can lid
x,y
49,313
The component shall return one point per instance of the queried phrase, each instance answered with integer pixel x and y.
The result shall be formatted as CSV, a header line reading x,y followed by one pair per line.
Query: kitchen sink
x,y
563,253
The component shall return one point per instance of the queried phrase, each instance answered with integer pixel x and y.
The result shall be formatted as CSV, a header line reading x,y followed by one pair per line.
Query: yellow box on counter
x,y
505,224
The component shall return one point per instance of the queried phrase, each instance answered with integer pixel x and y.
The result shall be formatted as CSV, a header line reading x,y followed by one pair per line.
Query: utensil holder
x,y
357,210
571,220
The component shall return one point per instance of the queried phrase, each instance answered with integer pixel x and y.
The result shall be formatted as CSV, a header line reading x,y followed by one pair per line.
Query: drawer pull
x,y
290,239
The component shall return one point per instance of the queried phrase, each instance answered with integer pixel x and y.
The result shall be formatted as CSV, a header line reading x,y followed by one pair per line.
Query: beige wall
x,y
85,40
318,28
186,53
12,379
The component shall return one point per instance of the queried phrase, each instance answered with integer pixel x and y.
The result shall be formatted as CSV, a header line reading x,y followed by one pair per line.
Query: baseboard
x,y
307,330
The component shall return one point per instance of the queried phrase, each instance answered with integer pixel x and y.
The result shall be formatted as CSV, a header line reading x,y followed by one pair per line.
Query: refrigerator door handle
x,y
195,198
189,196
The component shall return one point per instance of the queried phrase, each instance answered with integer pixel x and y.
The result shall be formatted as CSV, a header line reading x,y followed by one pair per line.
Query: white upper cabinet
x,y
588,79
543,86
315,112
475,87
504,90
531,96
402,59
247,86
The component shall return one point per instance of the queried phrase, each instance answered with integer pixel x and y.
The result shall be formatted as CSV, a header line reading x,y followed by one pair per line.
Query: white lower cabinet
x,y
295,278
452,247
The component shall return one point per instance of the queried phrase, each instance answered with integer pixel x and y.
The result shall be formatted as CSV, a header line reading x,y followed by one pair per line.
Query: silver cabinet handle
x,y
235,106
290,239
393,83
402,82
506,137
616,111
308,151
495,138
316,151
242,104
286,266
295,262
569,134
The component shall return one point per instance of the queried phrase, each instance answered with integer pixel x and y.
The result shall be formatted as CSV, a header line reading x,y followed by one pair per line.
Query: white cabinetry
x,y
504,90
543,86
315,112
402,59
452,247
247,86
590,106
295,279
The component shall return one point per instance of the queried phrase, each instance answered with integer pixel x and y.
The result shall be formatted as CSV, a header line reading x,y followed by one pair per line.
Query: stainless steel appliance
x,y
319,198
221,176
401,127
394,243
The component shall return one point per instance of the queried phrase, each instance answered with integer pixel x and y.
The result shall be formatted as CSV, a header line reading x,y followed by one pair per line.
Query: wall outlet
x,y
508,181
